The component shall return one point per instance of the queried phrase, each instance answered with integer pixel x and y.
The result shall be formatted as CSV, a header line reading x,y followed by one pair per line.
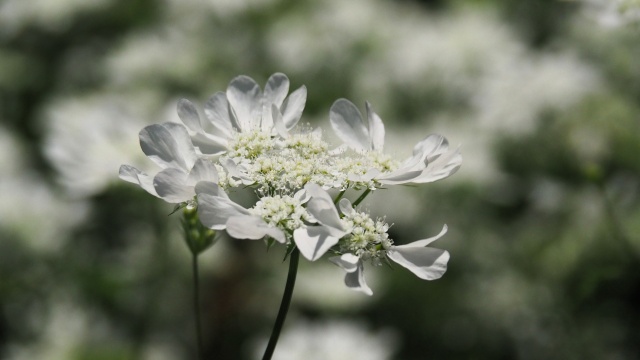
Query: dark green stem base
x,y
284,305
196,306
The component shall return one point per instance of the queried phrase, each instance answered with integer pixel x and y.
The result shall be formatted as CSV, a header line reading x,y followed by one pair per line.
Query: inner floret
x,y
251,144
368,238
281,211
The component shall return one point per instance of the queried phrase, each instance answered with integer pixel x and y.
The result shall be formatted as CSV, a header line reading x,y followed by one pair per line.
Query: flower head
x,y
431,159
244,108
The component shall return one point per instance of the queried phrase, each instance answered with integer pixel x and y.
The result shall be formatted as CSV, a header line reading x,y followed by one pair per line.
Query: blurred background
x,y
542,96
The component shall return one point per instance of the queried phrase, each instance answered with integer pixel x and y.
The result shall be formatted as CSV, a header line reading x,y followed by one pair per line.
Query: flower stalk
x,y
284,304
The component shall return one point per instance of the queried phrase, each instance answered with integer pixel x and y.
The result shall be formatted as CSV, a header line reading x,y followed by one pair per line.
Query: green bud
x,y
198,237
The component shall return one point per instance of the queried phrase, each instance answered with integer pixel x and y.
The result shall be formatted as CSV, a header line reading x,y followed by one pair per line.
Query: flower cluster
x,y
249,138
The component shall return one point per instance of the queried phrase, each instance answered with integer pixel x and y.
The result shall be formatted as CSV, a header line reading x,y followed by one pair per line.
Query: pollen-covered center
x,y
368,238
284,212
251,144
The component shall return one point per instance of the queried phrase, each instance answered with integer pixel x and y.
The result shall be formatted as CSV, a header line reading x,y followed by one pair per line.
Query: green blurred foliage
x,y
545,252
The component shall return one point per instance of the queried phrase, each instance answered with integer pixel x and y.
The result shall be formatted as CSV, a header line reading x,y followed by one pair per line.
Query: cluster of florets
x,y
281,211
249,139
367,239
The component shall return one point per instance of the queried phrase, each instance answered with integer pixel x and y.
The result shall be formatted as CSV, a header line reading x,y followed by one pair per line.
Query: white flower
x,y
243,109
314,228
425,262
431,159
315,241
169,146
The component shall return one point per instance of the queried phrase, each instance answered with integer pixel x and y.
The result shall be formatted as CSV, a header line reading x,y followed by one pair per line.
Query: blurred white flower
x,y
335,340
52,15
612,13
89,137
28,200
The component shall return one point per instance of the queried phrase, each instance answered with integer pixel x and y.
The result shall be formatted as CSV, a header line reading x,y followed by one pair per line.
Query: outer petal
x,y
214,211
276,89
278,123
188,113
321,207
348,262
244,97
211,188
376,129
431,147
347,123
425,263
425,242
314,241
203,170
346,207
400,176
168,145
133,175
442,167
354,278
209,144
252,227
171,186
217,111
293,106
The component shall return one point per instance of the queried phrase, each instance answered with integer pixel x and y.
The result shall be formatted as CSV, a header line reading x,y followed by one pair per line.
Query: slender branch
x,y
364,195
196,305
340,195
284,304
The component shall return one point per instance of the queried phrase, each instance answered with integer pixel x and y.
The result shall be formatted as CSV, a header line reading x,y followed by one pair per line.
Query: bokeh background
x,y
542,96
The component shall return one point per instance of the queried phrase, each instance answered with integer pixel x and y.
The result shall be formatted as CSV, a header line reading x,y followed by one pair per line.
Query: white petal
x,y
276,89
209,144
400,176
188,113
314,241
346,207
376,129
211,188
203,170
278,124
168,145
293,106
217,111
133,175
321,207
442,167
425,242
355,272
425,262
348,125
252,227
348,262
244,96
233,170
355,280
171,186
214,211
431,147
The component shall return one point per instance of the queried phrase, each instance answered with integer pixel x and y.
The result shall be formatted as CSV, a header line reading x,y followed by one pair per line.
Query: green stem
x,y
364,195
340,195
196,305
284,304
